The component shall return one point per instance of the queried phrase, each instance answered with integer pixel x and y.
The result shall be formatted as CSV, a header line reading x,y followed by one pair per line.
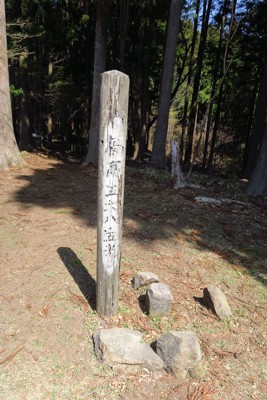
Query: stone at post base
x,y
118,346
158,300
143,279
215,299
181,354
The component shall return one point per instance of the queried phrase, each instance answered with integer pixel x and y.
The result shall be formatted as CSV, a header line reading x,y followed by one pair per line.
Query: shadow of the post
x,y
81,276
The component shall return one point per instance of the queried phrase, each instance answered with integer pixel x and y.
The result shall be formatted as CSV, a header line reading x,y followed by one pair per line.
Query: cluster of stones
x,y
177,352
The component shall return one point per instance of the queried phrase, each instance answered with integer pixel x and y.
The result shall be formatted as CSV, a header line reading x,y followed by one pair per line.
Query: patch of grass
x,y
62,212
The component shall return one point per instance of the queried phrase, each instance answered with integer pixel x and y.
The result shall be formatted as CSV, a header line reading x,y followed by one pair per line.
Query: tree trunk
x,y
191,65
216,70
258,125
177,175
145,87
225,70
159,145
215,128
258,181
124,14
99,68
250,120
41,130
49,119
24,139
202,44
139,82
9,152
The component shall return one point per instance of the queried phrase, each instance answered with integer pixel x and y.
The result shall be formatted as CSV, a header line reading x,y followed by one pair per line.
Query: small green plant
x,y
62,212
51,274
220,343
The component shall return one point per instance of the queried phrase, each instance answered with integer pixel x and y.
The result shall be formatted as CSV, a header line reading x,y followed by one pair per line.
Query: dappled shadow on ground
x,y
48,255
81,276
153,210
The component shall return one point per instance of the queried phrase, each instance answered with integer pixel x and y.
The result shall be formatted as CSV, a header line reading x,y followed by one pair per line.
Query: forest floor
x,y
48,270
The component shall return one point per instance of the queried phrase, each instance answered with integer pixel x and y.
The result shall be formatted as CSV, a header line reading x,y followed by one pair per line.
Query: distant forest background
x,y
218,99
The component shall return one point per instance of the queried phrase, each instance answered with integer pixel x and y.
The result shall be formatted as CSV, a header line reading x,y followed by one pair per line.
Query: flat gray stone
x,y
215,299
123,346
181,354
144,278
158,300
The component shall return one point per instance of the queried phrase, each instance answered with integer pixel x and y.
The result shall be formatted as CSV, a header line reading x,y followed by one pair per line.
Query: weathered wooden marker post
x,y
114,98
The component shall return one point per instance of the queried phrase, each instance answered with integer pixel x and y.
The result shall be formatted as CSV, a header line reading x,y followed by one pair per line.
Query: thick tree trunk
x,y
258,181
202,44
158,152
99,68
191,65
258,125
9,152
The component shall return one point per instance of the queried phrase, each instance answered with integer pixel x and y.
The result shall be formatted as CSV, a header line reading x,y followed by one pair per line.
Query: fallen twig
x,y
11,356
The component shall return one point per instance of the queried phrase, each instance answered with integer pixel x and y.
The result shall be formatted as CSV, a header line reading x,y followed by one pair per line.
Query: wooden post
x,y
114,97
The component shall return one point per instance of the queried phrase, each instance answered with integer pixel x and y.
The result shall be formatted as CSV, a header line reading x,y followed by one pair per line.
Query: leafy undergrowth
x,y
47,289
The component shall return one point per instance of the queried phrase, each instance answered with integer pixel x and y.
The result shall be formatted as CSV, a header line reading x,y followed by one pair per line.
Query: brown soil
x,y
48,270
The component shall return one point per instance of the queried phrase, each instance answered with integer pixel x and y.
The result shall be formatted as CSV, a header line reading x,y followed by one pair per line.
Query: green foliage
x,y
63,33
15,92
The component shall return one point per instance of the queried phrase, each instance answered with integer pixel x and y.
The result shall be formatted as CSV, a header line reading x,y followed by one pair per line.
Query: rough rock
x,y
181,354
215,299
144,278
123,346
158,300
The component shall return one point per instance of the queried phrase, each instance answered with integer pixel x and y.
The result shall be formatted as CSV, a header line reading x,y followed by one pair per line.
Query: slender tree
x,y
216,71
258,181
9,152
202,44
124,15
24,140
99,68
191,65
139,81
159,145
258,124
225,68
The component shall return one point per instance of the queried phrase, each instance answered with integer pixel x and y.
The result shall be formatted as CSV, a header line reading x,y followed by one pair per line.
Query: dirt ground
x,y
48,270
